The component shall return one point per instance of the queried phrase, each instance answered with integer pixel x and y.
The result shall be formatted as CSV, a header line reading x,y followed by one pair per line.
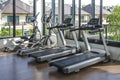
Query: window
x,y
8,27
82,17
10,19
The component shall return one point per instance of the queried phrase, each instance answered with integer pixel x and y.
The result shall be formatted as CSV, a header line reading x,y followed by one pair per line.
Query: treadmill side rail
x,y
63,58
55,55
77,67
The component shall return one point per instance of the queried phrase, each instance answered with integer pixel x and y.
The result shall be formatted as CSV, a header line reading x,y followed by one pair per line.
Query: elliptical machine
x,y
39,41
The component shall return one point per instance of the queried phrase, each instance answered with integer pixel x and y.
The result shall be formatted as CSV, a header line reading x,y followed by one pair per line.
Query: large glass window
x,y
6,10
112,20
22,9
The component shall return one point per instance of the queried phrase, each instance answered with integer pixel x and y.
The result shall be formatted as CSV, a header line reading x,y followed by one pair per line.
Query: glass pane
x,y
112,20
24,11
50,20
23,8
6,28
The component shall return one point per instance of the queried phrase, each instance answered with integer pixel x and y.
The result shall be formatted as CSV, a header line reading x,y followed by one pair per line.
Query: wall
x,y
22,18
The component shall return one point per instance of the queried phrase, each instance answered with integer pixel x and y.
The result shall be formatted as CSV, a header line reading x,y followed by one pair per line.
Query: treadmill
x,y
89,57
50,54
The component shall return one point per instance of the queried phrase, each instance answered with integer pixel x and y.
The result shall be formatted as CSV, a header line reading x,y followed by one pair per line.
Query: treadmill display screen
x,y
94,21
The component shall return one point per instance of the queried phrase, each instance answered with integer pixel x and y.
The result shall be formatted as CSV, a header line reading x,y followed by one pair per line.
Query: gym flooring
x,y
13,67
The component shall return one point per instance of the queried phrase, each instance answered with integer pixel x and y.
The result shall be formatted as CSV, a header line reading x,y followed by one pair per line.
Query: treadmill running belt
x,y
75,59
50,51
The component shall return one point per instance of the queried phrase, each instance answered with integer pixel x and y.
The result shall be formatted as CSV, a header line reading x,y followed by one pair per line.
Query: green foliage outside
x,y
6,32
114,25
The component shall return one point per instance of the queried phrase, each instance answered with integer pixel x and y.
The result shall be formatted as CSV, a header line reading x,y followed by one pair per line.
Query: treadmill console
x,y
93,21
67,21
66,24
92,24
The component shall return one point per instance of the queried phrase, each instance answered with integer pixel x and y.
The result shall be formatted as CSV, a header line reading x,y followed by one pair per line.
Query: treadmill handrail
x,y
61,26
87,28
96,30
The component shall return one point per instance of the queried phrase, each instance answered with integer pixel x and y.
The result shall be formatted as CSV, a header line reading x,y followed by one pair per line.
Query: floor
x,y
13,67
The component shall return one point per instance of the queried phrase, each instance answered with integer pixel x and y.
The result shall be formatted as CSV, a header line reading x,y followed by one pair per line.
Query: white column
x,y
39,10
